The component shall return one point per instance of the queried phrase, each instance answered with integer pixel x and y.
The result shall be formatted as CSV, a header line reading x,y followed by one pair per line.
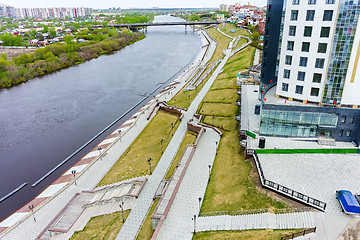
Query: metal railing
x,y
298,234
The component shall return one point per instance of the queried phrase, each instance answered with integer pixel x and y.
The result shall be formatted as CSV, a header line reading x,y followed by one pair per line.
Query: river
x,y
46,119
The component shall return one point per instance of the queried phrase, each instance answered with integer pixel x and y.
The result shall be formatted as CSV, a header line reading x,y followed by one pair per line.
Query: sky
x,y
127,3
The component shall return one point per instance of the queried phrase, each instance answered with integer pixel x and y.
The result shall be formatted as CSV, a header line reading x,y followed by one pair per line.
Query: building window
x,y
269,8
268,20
288,60
299,89
310,14
319,63
305,47
286,73
301,76
307,31
314,92
343,119
292,30
296,2
341,132
348,133
285,87
294,15
311,2
325,31
352,120
328,15
290,45
267,31
330,1
303,61
322,48
317,77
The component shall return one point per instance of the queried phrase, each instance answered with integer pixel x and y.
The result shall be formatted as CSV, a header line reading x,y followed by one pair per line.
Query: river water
x,y
46,119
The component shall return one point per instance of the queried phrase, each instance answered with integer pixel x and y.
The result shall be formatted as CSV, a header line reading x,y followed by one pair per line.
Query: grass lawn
x,y
238,31
230,187
133,162
182,99
102,227
146,230
221,96
265,234
189,139
241,42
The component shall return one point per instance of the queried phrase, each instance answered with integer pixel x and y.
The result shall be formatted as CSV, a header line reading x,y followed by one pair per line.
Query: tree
x,y
11,40
105,24
251,28
194,18
68,39
255,37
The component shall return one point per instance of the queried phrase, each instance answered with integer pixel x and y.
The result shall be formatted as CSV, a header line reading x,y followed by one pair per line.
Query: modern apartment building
x,y
311,56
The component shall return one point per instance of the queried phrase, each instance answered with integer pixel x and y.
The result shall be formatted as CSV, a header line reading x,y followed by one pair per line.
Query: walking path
x,y
21,224
256,221
136,217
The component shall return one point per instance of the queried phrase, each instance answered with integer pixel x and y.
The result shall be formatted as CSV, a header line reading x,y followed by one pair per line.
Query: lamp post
x,y
99,148
175,102
31,207
209,170
194,218
199,203
149,161
119,131
73,172
161,141
122,210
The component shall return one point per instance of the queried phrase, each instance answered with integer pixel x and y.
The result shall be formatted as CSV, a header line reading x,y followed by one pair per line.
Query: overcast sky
x,y
127,3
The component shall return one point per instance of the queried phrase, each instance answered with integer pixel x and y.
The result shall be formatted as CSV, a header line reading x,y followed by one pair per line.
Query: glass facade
x,y
295,123
341,50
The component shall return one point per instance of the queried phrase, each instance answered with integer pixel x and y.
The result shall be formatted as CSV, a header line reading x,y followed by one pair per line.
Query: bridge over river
x,y
135,25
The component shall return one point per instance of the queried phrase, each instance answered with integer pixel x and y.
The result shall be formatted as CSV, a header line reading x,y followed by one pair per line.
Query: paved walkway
x,y
256,221
134,221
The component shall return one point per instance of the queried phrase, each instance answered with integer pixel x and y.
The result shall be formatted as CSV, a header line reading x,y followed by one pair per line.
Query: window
x,y
311,2
352,120
301,76
288,60
348,133
307,31
303,61
330,1
341,132
296,2
317,78
269,8
290,45
294,15
325,31
327,15
322,48
286,73
305,47
343,119
292,30
314,92
299,89
268,20
319,63
267,31
285,87
310,14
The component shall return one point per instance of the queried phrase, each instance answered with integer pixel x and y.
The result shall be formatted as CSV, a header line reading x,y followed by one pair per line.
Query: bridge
x,y
136,25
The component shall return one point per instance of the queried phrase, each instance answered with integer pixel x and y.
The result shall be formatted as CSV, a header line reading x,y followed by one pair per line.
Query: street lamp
x,y
99,148
119,131
73,172
175,102
122,210
31,207
209,170
199,203
194,218
149,161
161,141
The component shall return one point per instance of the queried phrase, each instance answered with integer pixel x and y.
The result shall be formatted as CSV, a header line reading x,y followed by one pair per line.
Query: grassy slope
x,y
133,162
146,230
231,186
238,31
102,227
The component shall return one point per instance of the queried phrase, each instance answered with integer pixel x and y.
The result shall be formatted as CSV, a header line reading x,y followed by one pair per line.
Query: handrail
x,y
298,234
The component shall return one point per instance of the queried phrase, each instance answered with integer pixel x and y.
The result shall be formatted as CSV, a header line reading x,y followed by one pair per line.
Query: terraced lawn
x,y
146,230
238,31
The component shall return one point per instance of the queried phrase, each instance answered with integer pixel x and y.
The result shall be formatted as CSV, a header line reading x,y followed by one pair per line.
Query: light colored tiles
x,y
12,219
123,129
91,154
51,190
110,140
76,168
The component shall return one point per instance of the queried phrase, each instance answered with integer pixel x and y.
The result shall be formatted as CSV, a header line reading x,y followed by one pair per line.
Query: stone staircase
x,y
256,221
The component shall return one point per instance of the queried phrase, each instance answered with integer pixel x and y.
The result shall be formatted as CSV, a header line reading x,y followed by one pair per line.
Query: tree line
x,y
59,56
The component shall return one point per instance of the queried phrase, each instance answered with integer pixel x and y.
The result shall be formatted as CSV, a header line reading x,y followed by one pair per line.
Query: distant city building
x,y
7,11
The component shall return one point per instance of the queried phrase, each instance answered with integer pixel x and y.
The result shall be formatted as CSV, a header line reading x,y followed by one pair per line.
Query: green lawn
x,y
265,234
102,227
184,99
230,187
241,42
133,162
189,139
146,230
238,31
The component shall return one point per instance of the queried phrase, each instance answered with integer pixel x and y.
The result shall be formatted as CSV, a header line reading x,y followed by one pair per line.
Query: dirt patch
x,y
14,52
352,232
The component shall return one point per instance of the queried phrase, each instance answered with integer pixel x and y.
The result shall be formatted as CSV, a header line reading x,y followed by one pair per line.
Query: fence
x,y
285,190
298,234
253,211
308,151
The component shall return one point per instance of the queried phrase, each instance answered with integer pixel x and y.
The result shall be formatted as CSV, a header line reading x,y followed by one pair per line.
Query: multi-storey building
x,y
311,55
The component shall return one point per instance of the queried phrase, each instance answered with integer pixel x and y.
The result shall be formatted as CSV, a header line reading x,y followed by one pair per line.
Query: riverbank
x,y
55,57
